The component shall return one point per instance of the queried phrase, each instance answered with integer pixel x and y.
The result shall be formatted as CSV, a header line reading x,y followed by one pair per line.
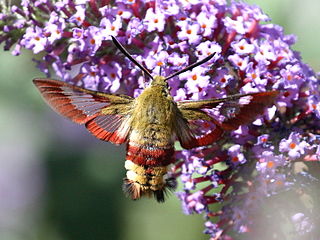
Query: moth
x,y
151,123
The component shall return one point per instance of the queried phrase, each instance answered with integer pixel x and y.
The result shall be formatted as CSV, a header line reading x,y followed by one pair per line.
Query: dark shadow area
x,y
77,205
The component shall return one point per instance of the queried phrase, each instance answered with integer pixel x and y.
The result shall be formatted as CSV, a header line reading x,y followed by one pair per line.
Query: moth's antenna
x,y
191,66
160,71
127,54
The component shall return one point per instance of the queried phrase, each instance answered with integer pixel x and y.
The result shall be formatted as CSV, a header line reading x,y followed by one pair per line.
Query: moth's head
x,y
160,81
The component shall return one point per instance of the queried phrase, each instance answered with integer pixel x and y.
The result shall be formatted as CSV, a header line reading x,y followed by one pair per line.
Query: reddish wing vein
x,y
190,136
235,110
249,111
84,107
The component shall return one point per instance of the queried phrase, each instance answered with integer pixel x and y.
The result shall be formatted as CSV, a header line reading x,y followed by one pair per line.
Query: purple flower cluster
x,y
245,168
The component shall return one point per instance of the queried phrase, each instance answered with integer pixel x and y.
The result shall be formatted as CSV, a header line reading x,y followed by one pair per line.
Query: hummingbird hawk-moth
x,y
151,123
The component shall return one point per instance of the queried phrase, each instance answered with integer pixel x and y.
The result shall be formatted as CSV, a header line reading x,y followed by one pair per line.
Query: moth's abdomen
x,y
147,170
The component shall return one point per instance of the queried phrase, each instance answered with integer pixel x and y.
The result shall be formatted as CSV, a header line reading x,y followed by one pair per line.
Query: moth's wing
x,y
106,116
245,109
227,114
190,135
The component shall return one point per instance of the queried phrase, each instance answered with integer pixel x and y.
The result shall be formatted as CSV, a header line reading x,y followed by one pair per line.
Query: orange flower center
x,y
194,77
189,31
79,34
279,182
314,106
286,94
92,41
235,159
292,145
270,164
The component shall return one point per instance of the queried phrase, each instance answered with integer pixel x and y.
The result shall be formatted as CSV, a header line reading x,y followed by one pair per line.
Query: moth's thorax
x,y
154,114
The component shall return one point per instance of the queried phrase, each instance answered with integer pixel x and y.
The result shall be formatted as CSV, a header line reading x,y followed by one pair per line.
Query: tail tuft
x,y
131,189
135,190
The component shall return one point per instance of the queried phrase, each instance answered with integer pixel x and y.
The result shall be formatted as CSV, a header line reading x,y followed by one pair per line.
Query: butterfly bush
x,y
236,183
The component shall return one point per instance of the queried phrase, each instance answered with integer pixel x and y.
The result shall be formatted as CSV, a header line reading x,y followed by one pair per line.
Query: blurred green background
x,y
57,182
